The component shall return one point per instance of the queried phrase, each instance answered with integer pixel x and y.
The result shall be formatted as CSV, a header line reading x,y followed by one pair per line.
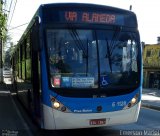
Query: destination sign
x,y
82,82
90,17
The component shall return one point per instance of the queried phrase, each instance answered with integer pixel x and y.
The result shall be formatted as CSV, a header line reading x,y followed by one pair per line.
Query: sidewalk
x,y
151,98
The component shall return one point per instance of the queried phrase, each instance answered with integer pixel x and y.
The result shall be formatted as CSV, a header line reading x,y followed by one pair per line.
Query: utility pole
x,y
158,40
1,67
2,37
130,8
1,62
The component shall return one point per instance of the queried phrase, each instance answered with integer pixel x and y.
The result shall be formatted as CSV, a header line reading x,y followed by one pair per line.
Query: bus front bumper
x,y
54,119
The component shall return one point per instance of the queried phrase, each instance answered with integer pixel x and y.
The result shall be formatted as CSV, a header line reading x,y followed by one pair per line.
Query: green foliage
x,y
3,18
8,54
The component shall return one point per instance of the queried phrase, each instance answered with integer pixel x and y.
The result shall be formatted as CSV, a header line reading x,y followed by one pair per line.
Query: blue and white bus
x,y
79,66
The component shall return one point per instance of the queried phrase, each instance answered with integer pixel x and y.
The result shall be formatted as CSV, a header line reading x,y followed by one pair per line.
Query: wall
x,y
151,65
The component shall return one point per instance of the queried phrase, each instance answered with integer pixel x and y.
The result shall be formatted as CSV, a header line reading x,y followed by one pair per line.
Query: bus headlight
x,y
58,105
133,102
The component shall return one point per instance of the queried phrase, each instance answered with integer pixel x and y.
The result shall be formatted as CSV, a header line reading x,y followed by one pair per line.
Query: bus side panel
x,y
27,76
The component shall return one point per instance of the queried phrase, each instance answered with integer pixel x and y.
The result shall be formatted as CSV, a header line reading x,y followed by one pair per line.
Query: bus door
x,y
35,72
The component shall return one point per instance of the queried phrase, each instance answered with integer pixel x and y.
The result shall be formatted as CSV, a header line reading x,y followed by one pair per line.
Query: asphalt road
x,y
12,121
18,123
147,124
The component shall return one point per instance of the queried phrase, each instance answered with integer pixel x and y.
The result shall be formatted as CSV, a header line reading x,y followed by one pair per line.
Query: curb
x,y
145,105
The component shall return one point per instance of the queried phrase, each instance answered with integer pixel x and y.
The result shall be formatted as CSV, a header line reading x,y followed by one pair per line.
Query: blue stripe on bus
x,y
45,93
89,105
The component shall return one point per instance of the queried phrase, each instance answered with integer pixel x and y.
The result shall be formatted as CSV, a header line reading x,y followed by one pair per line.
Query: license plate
x,y
97,122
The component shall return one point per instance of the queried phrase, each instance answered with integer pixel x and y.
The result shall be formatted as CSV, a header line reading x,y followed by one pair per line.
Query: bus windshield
x,y
92,58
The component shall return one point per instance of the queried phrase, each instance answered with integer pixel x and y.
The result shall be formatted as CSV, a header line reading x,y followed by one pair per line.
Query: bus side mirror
x,y
35,35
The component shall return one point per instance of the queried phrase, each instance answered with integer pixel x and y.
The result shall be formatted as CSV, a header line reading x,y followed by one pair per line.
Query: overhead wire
x,y
18,26
9,9
13,13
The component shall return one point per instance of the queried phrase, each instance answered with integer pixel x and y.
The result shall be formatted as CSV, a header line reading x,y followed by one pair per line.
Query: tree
x,y
3,18
8,54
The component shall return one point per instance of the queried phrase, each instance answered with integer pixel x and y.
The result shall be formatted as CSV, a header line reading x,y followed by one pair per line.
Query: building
x,y
151,65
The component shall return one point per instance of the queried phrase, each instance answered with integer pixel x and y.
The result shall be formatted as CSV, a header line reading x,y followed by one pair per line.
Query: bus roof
x,y
85,5
87,13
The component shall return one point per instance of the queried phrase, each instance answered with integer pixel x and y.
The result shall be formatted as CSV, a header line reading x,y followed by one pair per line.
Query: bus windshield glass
x,y
92,58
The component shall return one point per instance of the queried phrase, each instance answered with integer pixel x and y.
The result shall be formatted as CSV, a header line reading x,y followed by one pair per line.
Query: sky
x,y
147,12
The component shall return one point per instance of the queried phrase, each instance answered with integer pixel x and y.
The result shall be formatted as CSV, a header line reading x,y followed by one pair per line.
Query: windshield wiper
x,y
77,40
109,55
111,46
79,44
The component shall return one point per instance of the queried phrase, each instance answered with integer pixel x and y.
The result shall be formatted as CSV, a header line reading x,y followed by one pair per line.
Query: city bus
x,y
79,66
